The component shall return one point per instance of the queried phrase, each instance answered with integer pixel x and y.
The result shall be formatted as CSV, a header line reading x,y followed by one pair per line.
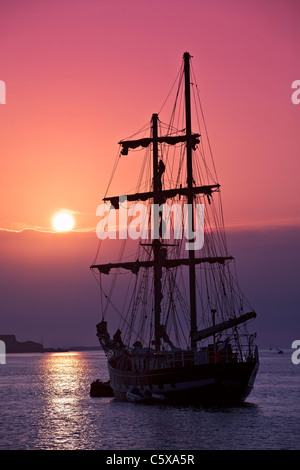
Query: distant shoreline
x,y
77,348
14,347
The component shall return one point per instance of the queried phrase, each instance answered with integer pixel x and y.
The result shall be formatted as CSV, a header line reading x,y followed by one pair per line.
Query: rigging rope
x,y
219,284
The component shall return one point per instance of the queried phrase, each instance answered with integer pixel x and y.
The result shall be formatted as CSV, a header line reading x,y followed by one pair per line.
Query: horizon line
x,y
274,223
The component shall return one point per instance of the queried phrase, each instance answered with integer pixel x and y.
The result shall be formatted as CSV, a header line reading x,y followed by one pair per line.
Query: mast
x,y
159,259
190,199
156,241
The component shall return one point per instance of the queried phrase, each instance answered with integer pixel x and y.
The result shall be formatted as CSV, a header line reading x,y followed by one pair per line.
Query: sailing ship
x,y
182,333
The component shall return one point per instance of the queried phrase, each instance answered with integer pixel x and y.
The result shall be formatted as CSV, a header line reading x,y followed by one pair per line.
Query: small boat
x,y
101,389
136,395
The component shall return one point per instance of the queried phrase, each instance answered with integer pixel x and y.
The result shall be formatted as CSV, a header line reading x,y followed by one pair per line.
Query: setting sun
x,y
63,222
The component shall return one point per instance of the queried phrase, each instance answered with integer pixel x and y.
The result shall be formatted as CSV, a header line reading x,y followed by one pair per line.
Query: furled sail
x,y
134,266
170,140
164,194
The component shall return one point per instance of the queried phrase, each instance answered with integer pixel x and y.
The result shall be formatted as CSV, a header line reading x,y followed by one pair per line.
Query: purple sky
x,y
62,304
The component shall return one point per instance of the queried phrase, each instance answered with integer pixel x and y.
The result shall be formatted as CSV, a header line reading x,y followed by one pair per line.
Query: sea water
x,y
45,404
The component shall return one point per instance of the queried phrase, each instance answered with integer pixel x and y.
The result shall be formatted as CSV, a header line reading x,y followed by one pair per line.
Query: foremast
x,y
156,244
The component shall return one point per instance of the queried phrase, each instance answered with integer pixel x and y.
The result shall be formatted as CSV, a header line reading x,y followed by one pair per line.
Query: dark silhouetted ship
x,y
182,335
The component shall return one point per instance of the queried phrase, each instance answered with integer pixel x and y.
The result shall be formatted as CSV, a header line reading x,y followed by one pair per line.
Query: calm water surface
x,y
45,404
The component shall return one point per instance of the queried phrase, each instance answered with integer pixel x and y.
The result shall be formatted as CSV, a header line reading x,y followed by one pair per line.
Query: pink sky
x,y
82,75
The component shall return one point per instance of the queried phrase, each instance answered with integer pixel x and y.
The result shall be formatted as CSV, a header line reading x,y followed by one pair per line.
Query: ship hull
x,y
223,383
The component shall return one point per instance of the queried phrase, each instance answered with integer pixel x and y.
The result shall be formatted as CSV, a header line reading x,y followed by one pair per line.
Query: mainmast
x,y
190,199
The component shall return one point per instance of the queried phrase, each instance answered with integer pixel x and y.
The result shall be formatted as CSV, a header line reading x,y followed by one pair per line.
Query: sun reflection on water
x,y
64,413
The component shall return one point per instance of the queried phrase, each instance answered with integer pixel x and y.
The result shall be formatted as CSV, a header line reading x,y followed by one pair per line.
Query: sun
x,y
63,222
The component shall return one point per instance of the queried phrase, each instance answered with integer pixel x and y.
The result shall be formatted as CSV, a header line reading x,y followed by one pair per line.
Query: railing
x,y
207,355
210,354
